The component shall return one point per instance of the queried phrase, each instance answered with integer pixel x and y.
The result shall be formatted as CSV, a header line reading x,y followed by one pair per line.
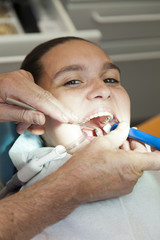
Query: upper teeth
x,y
108,115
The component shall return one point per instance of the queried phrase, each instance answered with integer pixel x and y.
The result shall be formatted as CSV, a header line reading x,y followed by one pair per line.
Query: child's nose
x,y
99,90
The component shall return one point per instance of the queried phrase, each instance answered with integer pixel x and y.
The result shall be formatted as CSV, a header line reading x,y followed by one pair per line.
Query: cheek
x,y
70,99
122,100
50,127
125,99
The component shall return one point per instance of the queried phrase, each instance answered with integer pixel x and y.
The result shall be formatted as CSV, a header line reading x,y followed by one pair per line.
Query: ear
x,y
36,129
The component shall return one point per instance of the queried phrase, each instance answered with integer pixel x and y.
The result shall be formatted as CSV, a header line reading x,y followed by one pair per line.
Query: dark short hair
x,y
32,63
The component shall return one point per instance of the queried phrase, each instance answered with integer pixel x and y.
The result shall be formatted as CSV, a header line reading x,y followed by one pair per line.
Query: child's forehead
x,y
74,52
87,56
78,47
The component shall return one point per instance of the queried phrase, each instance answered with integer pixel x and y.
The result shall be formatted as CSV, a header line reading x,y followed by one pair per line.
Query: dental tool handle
x,y
142,137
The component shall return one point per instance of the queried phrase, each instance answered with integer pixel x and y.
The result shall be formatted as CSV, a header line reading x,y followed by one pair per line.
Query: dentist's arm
x,y
20,86
99,171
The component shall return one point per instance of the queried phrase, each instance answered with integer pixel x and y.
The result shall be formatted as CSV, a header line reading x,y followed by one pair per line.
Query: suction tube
x,y
142,137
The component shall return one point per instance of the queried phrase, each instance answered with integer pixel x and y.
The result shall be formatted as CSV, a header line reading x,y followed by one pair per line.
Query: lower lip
x,y
89,131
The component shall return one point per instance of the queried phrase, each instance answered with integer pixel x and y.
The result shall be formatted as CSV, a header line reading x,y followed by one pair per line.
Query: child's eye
x,y
72,82
111,81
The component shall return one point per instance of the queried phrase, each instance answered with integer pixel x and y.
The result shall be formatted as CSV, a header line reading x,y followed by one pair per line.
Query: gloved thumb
x,y
118,136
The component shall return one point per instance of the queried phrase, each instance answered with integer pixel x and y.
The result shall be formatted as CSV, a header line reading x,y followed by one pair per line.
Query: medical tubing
x,y
142,137
35,165
21,177
3,193
57,153
76,142
29,170
13,185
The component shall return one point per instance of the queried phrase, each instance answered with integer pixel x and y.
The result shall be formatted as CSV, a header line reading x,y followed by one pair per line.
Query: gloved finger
x,y
118,136
36,129
146,161
21,127
17,114
20,86
125,146
137,146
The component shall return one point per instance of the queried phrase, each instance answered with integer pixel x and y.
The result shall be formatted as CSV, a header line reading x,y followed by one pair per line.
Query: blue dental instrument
x,y
142,137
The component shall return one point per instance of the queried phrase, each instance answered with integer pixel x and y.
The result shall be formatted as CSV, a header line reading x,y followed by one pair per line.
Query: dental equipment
x,y
91,131
31,169
142,137
35,166
20,104
94,131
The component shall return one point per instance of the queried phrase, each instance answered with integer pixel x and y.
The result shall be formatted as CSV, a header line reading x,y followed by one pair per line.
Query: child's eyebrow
x,y
69,68
76,67
110,65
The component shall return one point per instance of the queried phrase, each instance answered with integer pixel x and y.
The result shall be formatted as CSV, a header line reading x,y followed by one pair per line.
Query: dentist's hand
x,y
98,171
20,86
103,171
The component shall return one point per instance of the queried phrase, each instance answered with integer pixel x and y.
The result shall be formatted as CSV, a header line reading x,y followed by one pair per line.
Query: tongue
x,y
97,122
100,120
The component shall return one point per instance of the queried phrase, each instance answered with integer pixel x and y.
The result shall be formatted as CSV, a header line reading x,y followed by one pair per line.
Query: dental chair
x,y
151,126
8,135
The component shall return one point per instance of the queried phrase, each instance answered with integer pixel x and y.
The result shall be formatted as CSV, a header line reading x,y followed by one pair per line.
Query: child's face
x,y
82,77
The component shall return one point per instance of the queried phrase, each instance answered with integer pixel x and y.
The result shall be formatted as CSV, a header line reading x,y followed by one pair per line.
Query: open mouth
x,y
98,124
